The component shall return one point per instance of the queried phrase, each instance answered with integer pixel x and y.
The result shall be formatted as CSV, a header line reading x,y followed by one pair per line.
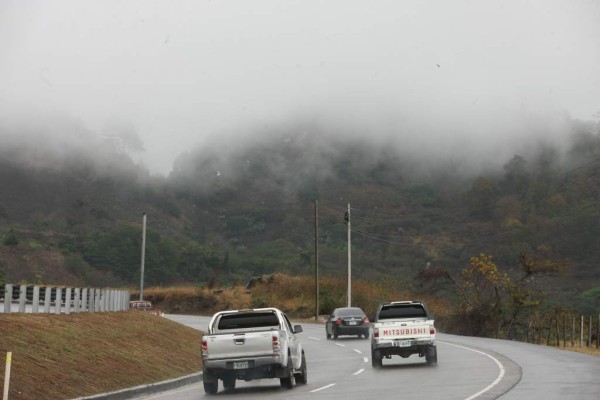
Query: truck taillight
x,y
338,321
276,346
204,347
432,330
376,333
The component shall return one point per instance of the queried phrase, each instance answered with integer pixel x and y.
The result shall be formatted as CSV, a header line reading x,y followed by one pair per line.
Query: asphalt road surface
x,y
468,368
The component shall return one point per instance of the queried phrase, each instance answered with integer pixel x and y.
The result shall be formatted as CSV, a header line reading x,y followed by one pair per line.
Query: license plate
x,y
240,365
352,323
402,343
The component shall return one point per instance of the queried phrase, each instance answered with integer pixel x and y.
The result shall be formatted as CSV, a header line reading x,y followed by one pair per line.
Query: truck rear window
x,y
248,320
402,311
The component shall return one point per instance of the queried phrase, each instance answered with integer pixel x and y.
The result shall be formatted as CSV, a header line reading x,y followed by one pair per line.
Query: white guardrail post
x,y
35,305
84,300
57,300
68,300
22,298
7,297
77,301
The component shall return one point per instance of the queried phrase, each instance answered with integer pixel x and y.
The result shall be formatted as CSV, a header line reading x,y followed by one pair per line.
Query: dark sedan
x,y
347,321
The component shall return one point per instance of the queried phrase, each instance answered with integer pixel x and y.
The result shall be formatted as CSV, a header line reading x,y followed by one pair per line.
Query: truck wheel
x,y
375,359
366,335
431,355
302,377
229,383
335,333
211,387
288,381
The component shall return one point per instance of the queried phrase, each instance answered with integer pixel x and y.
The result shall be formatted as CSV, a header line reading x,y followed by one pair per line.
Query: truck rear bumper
x,y
389,348
258,368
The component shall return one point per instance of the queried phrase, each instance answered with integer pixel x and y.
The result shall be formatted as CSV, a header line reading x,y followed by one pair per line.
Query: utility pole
x,y
143,256
347,218
316,260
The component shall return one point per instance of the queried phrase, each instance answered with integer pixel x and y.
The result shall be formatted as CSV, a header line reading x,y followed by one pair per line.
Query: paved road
x,y
468,368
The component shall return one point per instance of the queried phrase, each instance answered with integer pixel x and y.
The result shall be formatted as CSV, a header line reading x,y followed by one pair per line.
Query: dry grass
x,y
66,356
193,300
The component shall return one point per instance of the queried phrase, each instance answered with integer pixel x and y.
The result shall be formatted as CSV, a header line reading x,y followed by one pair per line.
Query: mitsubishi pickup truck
x,y
252,344
403,328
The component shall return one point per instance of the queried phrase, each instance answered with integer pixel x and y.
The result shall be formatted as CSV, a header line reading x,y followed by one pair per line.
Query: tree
x,y
482,196
480,290
516,177
10,239
2,276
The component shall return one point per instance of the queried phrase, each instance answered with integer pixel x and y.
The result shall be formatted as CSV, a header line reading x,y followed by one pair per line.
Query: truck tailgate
x,y
403,330
240,345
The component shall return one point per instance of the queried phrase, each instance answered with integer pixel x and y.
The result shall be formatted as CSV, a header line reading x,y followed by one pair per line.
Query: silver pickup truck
x,y
403,328
252,344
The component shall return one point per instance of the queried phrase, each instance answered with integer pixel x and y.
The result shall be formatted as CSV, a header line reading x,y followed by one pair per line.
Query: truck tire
x,y
366,335
302,376
211,387
335,333
376,359
229,383
431,355
289,380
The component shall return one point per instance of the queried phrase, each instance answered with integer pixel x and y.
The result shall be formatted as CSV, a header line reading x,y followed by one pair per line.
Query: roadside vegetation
x,y
480,301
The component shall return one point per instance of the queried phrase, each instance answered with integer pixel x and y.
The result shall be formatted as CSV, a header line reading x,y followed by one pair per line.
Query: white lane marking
x,y
500,366
359,371
358,351
366,359
314,338
322,388
341,345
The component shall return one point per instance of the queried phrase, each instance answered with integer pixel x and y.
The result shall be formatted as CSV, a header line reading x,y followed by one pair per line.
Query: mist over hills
x,y
72,200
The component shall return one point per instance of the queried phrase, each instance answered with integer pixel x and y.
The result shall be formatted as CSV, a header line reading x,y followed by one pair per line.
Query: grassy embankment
x,y
67,356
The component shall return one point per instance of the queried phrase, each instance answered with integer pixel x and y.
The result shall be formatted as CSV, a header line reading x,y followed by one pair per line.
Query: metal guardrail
x,y
59,300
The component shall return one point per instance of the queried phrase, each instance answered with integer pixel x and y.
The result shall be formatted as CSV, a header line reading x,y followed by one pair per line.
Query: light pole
x,y
143,257
316,260
347,218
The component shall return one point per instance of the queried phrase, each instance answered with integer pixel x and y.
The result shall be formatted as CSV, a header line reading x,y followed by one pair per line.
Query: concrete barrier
x,y
39,299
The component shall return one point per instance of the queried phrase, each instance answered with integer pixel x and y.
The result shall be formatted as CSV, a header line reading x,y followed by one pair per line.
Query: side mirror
x,y
297,328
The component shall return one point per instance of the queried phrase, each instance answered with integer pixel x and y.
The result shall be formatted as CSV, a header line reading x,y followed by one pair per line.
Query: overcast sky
x,y
182,71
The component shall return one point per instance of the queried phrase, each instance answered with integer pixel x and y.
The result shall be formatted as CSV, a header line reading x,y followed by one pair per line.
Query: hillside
x,y
68,356
72,213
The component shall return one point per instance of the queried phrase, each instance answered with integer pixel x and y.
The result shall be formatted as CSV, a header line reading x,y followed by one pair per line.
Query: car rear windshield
x,y
248,320
402,311
347,312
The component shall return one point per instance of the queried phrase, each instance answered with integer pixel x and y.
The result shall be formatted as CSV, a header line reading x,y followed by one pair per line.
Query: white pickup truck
x,y
403,328
252,344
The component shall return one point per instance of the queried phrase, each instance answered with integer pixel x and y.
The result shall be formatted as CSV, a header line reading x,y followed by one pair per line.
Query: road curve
x,y
468,368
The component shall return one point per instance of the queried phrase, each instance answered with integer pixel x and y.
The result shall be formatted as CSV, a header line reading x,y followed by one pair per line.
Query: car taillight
x,y
276,346
338,321
432,330
365,320
204,347
376,333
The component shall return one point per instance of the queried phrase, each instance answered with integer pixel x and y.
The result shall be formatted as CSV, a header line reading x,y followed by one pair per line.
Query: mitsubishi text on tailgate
x,y
252,344
403,328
